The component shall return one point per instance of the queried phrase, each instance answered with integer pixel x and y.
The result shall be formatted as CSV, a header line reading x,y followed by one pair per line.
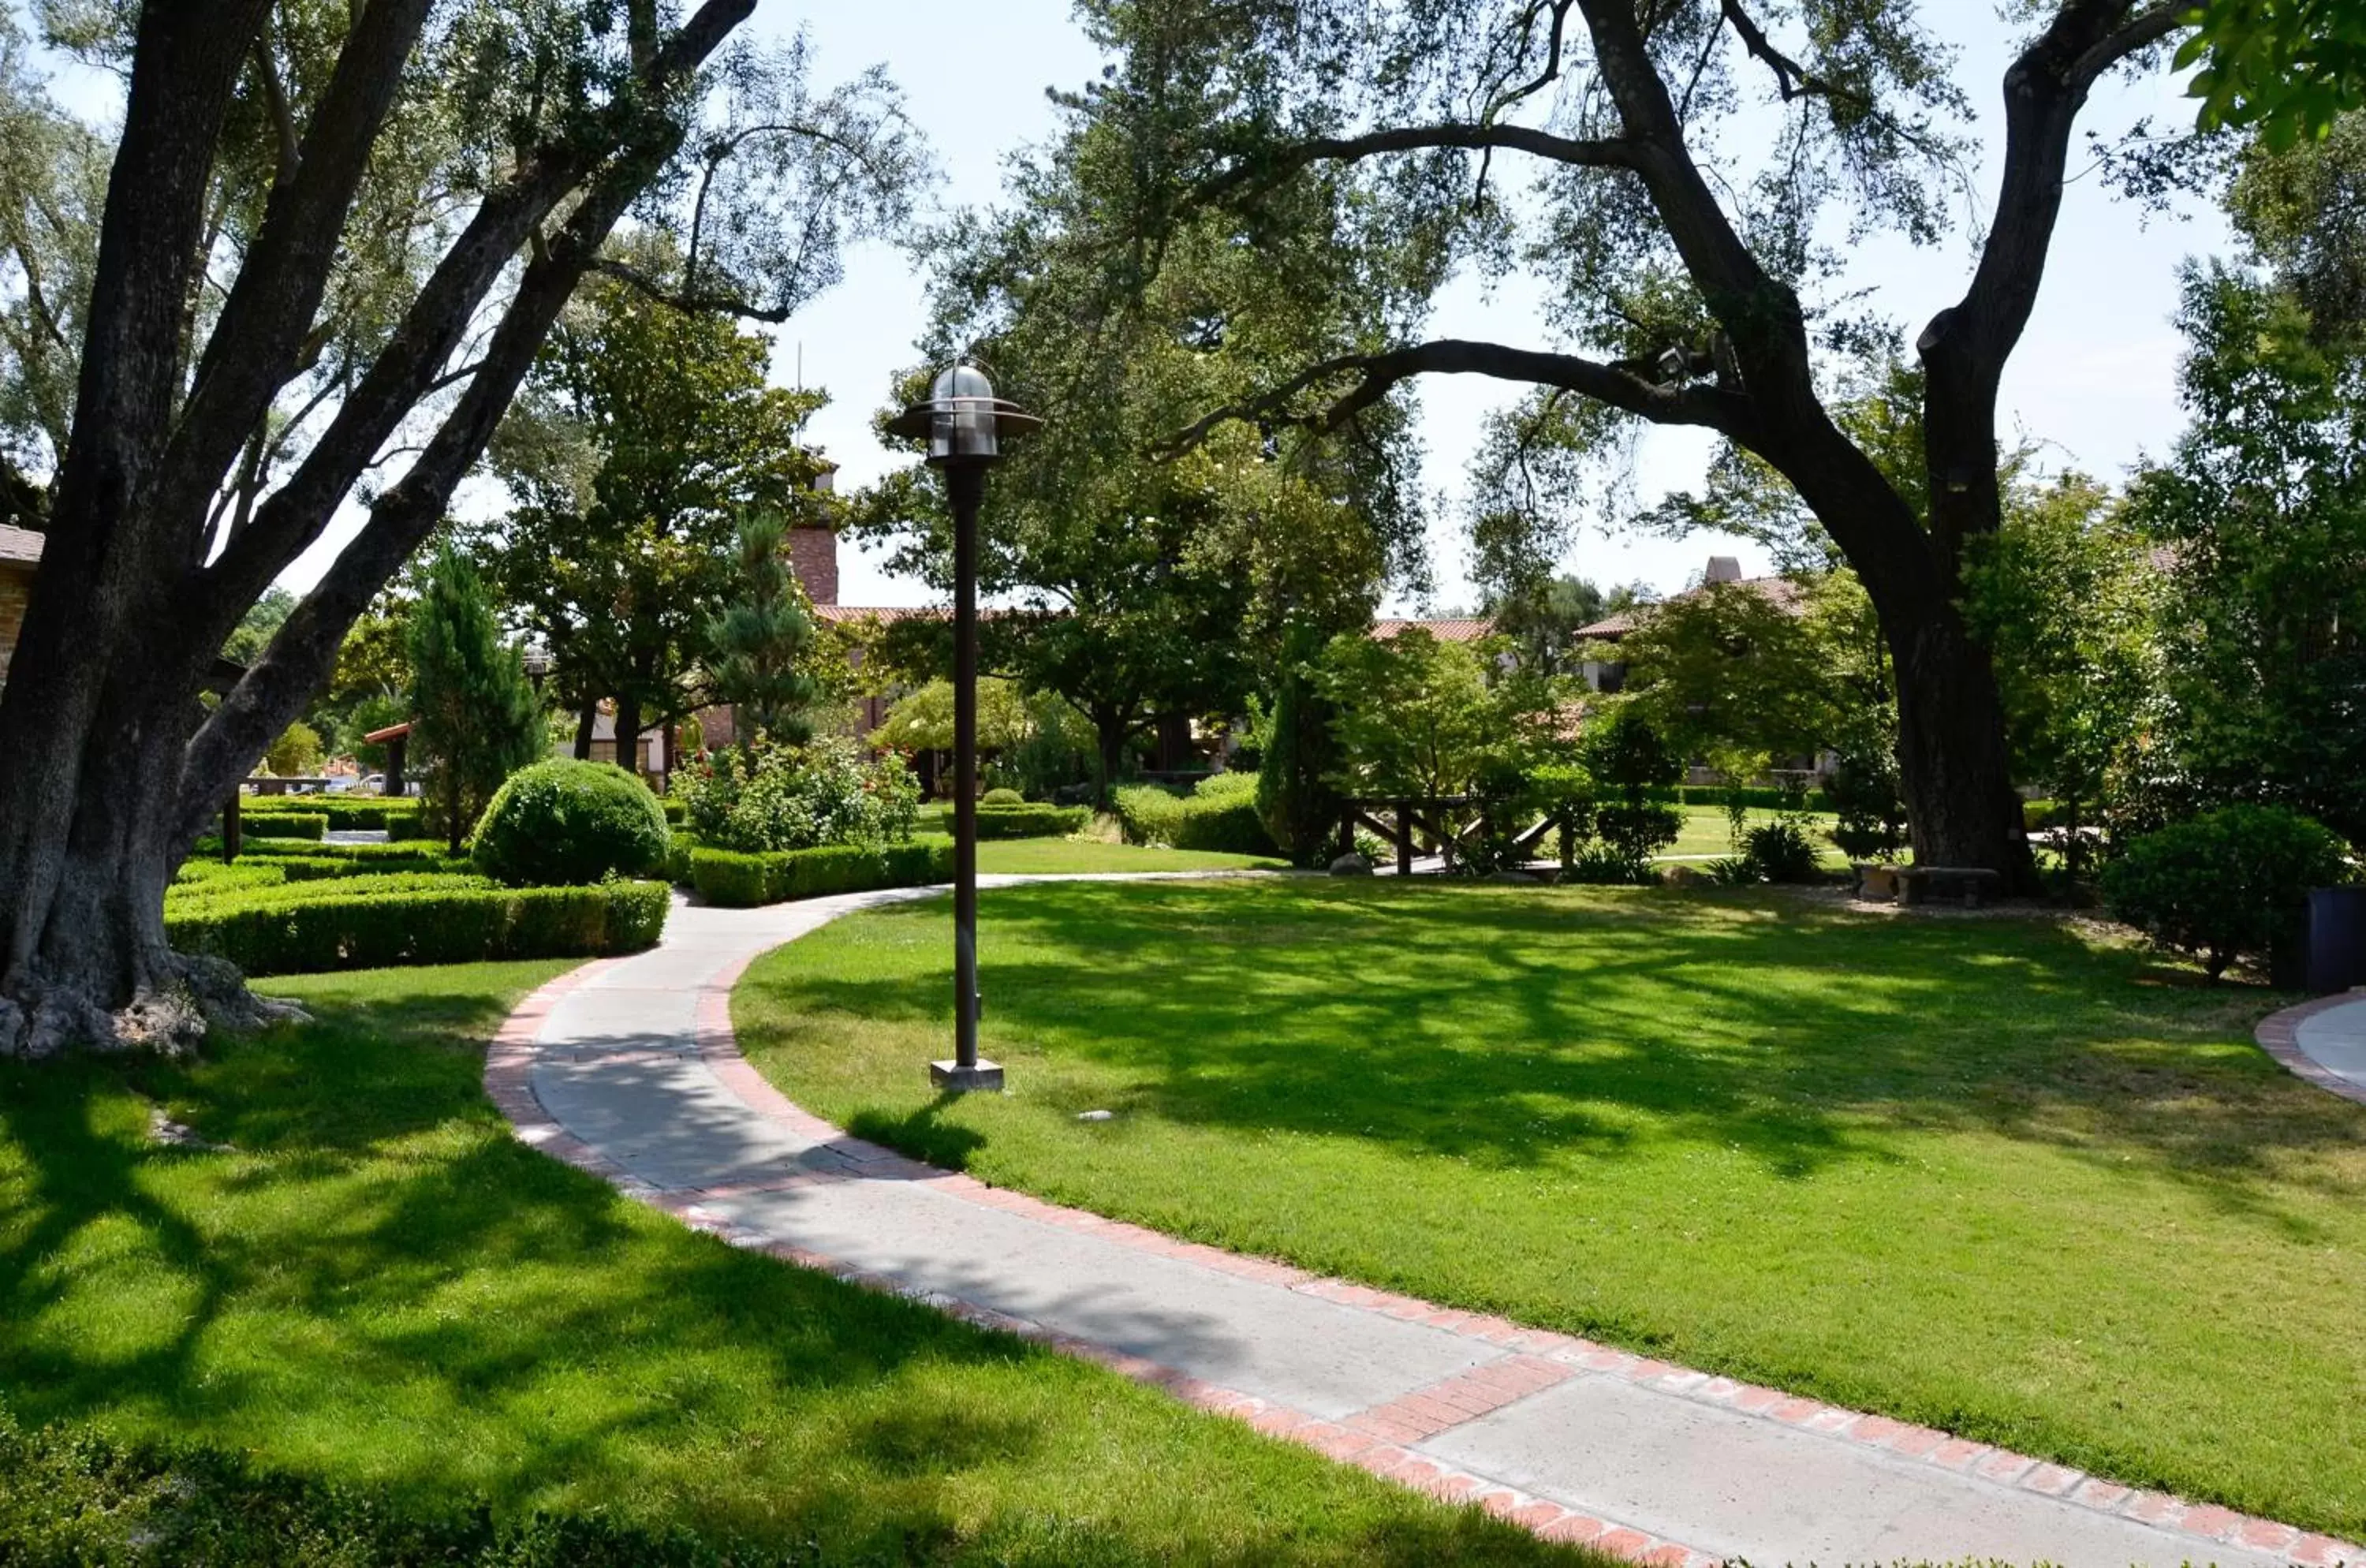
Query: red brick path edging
x,y
2278,1036
1378,1440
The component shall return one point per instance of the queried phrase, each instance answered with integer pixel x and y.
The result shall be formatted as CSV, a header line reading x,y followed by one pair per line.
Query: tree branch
x,y
1713,407
1267,168
682,300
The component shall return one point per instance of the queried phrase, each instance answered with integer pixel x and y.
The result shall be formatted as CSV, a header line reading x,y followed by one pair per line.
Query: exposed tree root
x,y
168,1018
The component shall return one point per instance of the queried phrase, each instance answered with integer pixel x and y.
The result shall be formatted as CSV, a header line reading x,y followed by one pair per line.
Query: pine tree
x,y
1295,798
475,715
760,644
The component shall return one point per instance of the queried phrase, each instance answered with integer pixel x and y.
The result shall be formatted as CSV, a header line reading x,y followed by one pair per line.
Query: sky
x,y
2094,379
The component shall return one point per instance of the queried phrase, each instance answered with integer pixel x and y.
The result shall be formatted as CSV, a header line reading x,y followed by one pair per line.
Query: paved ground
x,y
627,1067
2323,1042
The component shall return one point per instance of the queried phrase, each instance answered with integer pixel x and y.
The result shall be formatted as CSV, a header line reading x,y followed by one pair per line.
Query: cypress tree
x,y
1295,798
474,716
761,641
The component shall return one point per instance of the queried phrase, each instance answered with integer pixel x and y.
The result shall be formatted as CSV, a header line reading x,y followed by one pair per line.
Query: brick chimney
x,y
813,556
1721,568
813,550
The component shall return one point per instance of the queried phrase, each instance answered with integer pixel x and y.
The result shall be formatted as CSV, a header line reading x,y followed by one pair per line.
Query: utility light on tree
x,y
965,424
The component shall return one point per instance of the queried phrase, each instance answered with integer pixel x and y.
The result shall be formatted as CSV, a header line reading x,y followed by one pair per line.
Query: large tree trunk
x,y
108,768
1960,802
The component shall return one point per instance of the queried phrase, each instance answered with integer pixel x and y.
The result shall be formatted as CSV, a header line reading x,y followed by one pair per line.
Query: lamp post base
x,y
955,1079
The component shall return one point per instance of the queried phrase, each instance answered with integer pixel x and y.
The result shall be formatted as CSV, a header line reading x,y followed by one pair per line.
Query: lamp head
x,y
962,421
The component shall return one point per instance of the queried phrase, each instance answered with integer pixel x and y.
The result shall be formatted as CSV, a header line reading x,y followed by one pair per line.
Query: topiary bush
x,y
2224,884
314,825
370,922
735,880
565,823
1002,797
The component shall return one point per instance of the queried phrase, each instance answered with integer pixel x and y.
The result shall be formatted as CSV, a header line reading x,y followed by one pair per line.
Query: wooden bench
x,y
1972,885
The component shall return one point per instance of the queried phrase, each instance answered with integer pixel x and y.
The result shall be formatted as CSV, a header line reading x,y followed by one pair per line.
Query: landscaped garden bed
x,y
2032,1186
374,1309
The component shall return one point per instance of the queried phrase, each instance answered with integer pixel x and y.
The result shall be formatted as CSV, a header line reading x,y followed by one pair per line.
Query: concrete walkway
x,y
2323,1042
627,1069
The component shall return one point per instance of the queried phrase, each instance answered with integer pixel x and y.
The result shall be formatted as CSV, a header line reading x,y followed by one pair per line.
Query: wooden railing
x,y
1446,825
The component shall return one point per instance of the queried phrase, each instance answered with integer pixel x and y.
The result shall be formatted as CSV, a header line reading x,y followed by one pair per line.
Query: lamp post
x,y
964,424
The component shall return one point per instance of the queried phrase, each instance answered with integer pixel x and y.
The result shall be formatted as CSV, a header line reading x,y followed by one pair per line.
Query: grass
x,y
1709,835
1994,1176
1041,857
381,1286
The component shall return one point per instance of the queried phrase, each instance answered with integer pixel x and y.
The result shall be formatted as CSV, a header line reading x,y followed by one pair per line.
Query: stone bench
x,y
1974,886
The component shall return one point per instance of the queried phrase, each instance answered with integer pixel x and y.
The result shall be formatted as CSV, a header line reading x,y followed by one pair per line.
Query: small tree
x,y
1418,716
763,639
1629,760
922,719
296,751
475,715
1295,798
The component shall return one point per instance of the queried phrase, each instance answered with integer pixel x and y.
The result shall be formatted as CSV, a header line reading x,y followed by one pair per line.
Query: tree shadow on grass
x,y
380,1285
1505,1027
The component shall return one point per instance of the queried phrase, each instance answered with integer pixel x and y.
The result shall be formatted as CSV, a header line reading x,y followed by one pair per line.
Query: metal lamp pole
x,y
964,424
965,483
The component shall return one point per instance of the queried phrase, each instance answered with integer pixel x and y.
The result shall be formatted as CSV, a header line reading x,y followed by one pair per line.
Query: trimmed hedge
x,y
1026,822
359,812
288,931
311,825
1226,823
736,881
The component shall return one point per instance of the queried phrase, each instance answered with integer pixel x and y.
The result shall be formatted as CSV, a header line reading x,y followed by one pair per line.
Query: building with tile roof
x,y
20,560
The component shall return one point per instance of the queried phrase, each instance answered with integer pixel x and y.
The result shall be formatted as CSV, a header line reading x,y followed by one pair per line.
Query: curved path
x,y
2323,1042
627,1067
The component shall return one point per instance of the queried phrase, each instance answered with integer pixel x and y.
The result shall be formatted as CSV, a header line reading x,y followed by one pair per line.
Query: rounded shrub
x,y
2226,883
1002,797
564,822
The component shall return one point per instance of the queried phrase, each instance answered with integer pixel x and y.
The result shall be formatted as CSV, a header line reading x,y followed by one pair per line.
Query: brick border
x,y
1378,1440
2278,1036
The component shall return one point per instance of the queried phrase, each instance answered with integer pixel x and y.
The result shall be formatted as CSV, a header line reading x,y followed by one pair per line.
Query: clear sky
x,y
2095,378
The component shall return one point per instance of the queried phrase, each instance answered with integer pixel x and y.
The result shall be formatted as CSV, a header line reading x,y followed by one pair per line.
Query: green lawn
x,y
1990,1176
380,1285
1709,835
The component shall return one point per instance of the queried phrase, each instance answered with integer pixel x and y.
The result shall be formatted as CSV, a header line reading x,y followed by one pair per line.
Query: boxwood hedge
x,y
311,825
1030,821
736,881
429,919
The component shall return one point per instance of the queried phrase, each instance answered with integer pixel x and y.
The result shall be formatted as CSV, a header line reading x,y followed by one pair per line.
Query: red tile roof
x,y
1782,592
1460,629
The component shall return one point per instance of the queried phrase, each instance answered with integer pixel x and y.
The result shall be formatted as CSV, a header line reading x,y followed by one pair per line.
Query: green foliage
x,y
1864,792
562,822
476,719
2263,512
2287,67
922,719
255,629
1226,822
763,642
1297,801
1732,667
1781,852
296,755
642,440
2066,594
2224,884
284,824
1001,797
344,811
753,799
1417,716
1629,761
1025,821
734,880
307,929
